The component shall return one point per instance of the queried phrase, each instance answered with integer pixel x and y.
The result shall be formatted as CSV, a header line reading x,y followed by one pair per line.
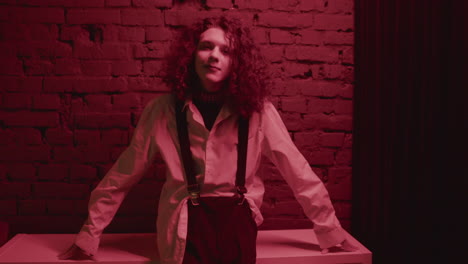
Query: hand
x,y
74,253
346,245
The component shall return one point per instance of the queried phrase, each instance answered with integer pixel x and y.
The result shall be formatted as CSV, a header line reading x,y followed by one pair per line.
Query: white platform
x,y
298,246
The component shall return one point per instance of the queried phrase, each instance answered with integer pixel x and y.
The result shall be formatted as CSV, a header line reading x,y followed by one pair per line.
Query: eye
x,y
205,46
225,50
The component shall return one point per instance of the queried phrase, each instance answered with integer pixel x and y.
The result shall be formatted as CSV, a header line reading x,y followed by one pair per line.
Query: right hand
x,y
75,253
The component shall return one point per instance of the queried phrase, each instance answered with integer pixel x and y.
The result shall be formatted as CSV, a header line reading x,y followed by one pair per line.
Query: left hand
x,y
346,245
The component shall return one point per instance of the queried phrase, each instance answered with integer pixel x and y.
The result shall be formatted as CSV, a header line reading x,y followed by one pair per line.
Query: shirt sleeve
x,y
307,187
106,198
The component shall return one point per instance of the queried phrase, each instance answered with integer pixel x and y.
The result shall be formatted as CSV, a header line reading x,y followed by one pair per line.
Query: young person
x,y
217,77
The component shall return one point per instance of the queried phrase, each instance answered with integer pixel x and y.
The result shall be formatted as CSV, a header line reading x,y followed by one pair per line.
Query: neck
x,y
209,97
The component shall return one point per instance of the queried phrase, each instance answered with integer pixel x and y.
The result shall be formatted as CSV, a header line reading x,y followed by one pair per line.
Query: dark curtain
x,y
410,119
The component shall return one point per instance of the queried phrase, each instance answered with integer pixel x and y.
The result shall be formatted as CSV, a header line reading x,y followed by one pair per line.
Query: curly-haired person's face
x,y
213,59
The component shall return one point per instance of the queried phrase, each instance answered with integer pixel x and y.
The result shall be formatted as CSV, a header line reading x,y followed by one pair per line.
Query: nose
x,y
214,54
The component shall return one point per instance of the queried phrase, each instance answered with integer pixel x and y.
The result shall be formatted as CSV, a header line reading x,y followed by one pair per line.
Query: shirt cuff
x,y
330,238
87,243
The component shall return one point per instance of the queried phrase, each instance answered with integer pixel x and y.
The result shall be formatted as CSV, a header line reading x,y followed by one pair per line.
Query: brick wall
x,y
76,74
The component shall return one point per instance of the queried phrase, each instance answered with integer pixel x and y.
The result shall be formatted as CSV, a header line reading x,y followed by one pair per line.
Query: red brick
x,y
13,31
340,191
21,84
67,3
60,190
310,37
93,16
292,121
132,34
253,4
96,68
142,17
306,53
39,15
317,106
31,119
310,5
280,19
148,51
348,141
15,190
340,6
44,49
126,67
186,17
338,38
75,33
153,68
336,175
46,102
38,67
278,36
82,173
348,55
109,51
61,84
59,136
344,157
25,153
16,101
152,3
342,210
7,136
285,5
273,53
8,207
118,3
318,88
21,172
158,34
322,157
31,207
65,153
332,139
65,66
98,102
94,153
307,139
28,136
60,207
294,69
100,85
115,137
343,107
334,22
259,35
219,3
125,101
11,66
86,137
100,120
334,71
322,121
294,104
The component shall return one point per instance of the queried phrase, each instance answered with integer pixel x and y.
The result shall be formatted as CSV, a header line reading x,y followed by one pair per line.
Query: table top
x,y
298,246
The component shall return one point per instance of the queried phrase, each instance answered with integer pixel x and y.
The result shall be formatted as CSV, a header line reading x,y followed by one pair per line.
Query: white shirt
x,y
215,156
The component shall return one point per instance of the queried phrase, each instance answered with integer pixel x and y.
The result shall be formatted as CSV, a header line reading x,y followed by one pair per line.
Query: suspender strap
x,y
193,187
242,155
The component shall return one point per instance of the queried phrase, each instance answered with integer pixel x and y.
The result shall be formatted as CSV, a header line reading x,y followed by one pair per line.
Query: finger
x,y
325,251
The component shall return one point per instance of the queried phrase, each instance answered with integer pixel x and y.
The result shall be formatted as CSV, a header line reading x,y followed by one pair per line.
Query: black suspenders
x,y
193,187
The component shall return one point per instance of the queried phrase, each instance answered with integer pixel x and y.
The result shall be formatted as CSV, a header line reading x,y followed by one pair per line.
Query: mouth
x,y
212,68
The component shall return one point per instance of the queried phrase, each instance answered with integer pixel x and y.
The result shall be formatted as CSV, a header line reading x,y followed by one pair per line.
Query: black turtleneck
x,y
209,105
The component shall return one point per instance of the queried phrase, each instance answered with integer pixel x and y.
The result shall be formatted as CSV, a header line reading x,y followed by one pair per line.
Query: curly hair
x,y
247,84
